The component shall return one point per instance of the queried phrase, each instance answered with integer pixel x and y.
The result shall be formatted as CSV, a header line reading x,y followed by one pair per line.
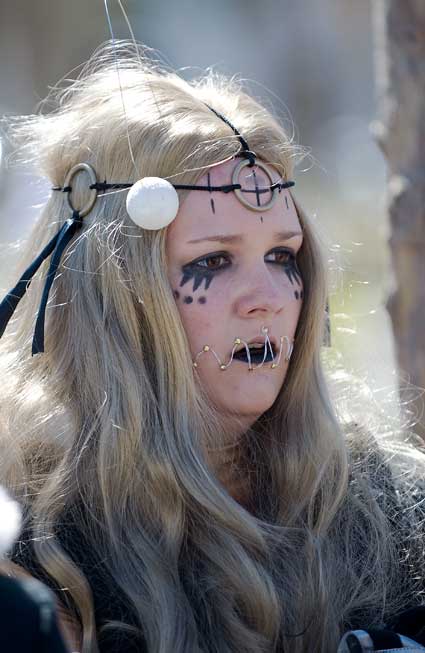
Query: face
x,y
233,272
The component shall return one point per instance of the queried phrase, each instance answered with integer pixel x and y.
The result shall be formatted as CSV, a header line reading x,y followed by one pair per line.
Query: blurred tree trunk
x,y
400,58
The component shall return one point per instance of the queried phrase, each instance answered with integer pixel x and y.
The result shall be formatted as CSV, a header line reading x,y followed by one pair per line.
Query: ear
x,y
10,522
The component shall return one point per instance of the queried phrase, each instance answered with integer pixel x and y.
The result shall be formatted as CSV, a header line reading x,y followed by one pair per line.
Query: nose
x,y
262,295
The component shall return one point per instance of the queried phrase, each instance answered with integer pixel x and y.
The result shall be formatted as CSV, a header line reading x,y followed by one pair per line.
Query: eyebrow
x,y
238,238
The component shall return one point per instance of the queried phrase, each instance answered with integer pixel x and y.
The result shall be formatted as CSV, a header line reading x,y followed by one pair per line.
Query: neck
x,y
229,461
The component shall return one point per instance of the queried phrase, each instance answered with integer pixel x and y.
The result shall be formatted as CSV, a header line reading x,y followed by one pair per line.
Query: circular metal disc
x,y
243,193
82,167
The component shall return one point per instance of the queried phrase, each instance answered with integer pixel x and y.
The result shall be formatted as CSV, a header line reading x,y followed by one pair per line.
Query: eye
x,y
211,262
284,257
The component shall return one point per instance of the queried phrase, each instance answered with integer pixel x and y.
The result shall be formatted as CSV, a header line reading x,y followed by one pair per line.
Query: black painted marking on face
x,y
198,276
261,218
293,273
296,293
302,294
209,188
202,300
257,194
188,299
176,294
286,202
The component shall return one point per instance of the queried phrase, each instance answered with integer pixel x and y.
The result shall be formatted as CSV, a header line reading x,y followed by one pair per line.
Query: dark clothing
x,y
410,623
111,604
28,618
109,601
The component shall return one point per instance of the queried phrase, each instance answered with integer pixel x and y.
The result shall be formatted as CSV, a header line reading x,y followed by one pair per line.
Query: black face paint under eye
x,y
290,268
192,271
200,273
292,272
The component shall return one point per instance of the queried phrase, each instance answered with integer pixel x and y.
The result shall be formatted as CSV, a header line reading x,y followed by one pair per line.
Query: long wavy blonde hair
x,y
109,424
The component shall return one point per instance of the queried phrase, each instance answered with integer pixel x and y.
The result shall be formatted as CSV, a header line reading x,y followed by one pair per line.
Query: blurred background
x,y
313,61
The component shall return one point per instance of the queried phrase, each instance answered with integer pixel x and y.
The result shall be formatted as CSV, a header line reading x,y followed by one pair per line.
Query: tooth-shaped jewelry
x,y
238,341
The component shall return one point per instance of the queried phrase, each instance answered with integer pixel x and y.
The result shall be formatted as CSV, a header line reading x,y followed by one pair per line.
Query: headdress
x,y
152,203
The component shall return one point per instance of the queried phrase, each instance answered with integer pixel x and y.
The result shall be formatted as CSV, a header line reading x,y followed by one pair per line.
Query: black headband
x,y
102,186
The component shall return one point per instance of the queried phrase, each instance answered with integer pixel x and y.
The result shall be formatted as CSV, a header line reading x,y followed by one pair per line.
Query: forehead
x,y
203,213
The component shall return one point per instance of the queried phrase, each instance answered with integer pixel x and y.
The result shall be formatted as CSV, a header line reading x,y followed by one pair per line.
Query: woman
x,y
179,495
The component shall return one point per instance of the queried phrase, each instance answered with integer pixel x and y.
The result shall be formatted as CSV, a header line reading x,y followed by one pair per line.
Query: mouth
x,y
256,353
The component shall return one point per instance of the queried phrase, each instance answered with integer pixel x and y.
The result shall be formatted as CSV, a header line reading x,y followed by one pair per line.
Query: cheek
x,y
200,313
294,309
196,290
200,301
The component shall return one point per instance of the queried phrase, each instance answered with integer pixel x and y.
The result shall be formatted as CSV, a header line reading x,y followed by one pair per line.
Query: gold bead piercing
x,y
238,341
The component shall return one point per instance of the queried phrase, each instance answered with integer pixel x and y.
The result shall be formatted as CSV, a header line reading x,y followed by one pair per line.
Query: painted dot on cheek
x,y
202,300
188,299
296,294
301,295
176,294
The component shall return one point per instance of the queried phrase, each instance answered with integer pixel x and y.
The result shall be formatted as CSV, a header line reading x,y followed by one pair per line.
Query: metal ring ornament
x,y
82,167
239,191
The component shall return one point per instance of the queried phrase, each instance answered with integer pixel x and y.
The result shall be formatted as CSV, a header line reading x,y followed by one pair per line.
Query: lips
x,y
257,341
256,351
259,351
256,356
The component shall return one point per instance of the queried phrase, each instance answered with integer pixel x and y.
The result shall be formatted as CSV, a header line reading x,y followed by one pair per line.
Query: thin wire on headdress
x,y
108,18
137,50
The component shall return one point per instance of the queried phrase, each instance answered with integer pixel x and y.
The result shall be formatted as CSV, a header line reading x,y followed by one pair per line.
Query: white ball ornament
x,y
152,203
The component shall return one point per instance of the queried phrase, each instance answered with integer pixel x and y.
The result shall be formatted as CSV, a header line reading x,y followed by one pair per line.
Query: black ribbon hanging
x,y
56,247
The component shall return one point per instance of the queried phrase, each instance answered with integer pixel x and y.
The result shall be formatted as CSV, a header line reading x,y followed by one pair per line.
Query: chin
x,y
250,396
246,408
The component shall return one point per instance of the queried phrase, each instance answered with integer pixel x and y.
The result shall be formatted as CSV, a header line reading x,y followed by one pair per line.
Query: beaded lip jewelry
x,y
240,345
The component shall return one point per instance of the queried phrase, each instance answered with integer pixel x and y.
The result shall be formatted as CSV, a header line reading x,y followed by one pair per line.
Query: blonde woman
x,y
181,491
